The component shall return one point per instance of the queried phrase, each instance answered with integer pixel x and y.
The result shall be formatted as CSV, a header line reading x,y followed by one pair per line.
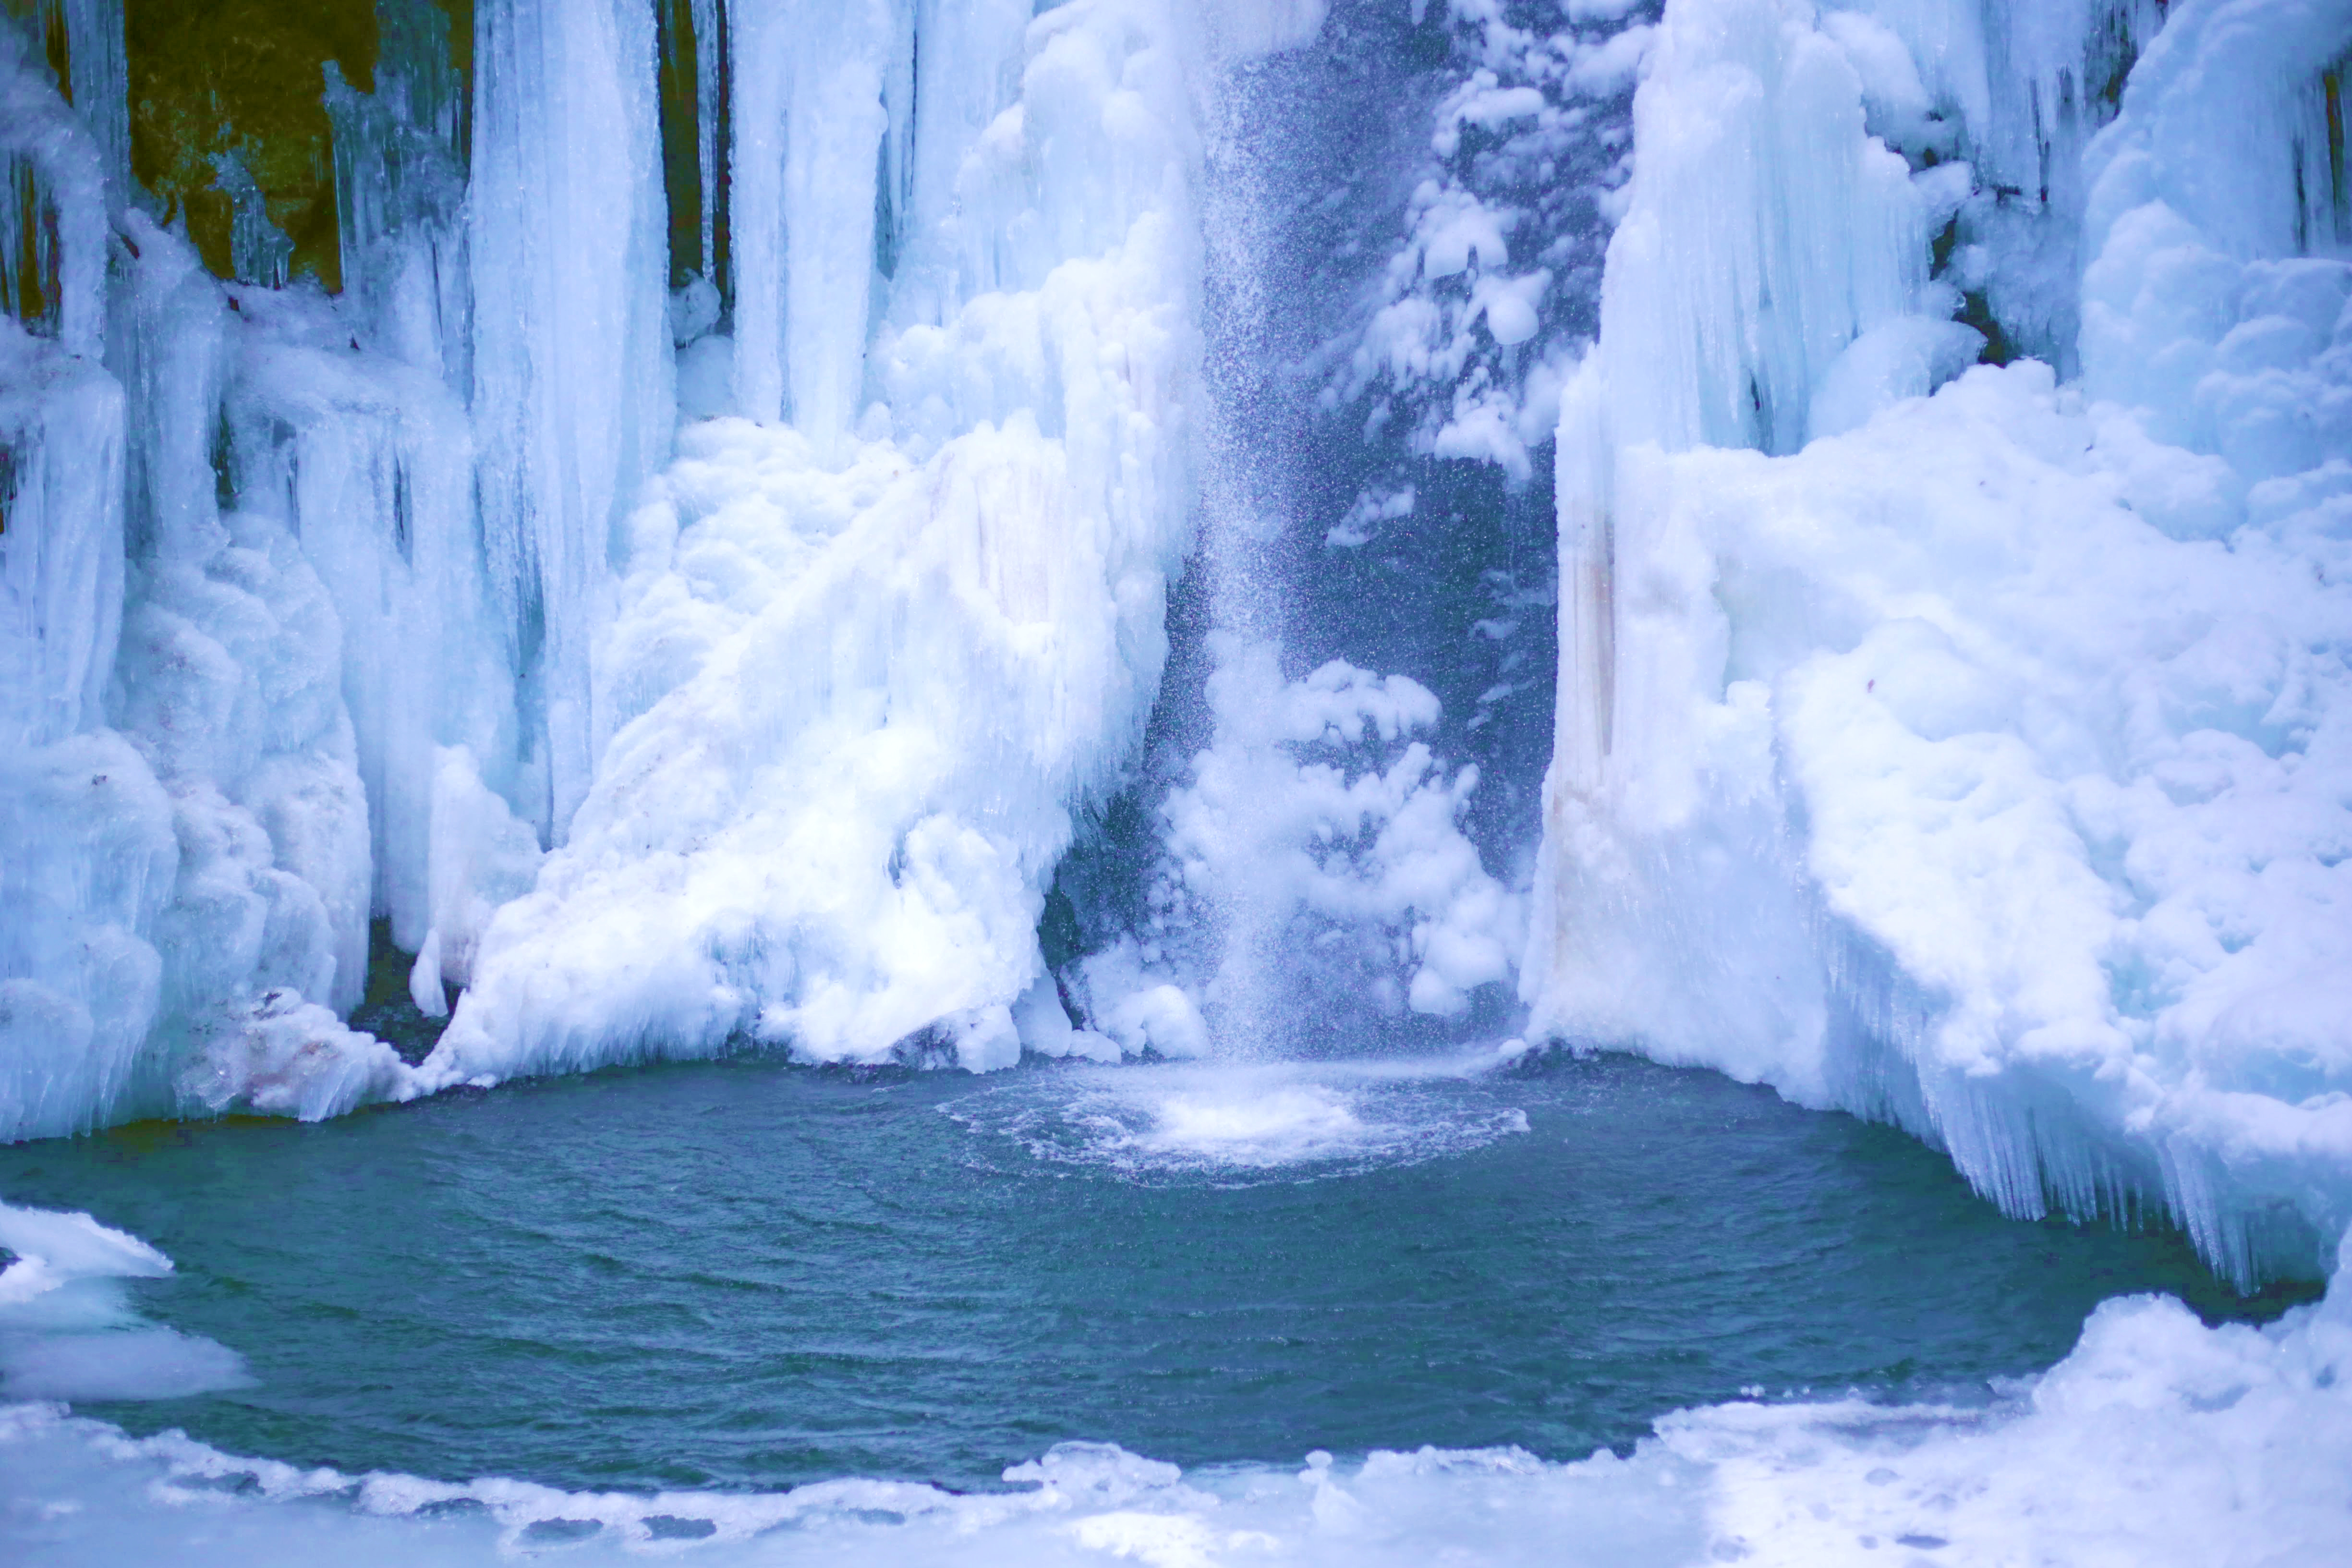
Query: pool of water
x,y
747,1274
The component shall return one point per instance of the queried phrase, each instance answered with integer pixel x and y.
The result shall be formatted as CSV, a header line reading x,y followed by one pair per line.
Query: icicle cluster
x,y
325,610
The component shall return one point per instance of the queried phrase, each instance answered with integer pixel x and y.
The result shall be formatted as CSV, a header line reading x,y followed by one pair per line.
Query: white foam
x,y
1236,1124
1313,863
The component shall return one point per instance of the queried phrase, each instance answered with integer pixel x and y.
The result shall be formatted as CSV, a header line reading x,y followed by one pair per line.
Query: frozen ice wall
x,y
874,643
86,852
231,685
207,492
1975,759
397,605
368,463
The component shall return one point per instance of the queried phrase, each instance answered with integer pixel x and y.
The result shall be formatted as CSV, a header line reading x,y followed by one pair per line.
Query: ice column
x,y
809,125
961,75
575,397
96,76
61,539
1765,232
60,420
709,73
400,192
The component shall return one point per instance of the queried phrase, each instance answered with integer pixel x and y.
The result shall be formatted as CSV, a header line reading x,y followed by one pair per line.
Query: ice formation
x,y
862,666
67,1332
348,608
1960,743
573,394
1984,744
1976,760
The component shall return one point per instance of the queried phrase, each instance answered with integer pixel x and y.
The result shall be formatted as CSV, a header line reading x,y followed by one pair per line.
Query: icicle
x,y
1588,644
258,251
1765,232
574,391
369,463
711,120
400,193
98,77
963,70
809,128
52,210
61,418
60,540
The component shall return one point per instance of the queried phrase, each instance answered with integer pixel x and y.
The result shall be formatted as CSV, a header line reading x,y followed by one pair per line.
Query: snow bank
x,y
2157,1442
1982,764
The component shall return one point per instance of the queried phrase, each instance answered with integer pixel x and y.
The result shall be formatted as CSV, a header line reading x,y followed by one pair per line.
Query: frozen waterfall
x,y
705,563
1806,537
351,608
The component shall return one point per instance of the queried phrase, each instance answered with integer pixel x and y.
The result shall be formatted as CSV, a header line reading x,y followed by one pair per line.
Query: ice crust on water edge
x,y
68,1330
2156,1441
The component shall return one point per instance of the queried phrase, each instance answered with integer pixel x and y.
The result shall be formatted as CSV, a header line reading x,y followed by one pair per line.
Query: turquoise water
x,y
746,1275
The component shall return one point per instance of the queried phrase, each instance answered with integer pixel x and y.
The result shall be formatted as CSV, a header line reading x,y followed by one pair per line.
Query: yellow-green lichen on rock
x,y
245,78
